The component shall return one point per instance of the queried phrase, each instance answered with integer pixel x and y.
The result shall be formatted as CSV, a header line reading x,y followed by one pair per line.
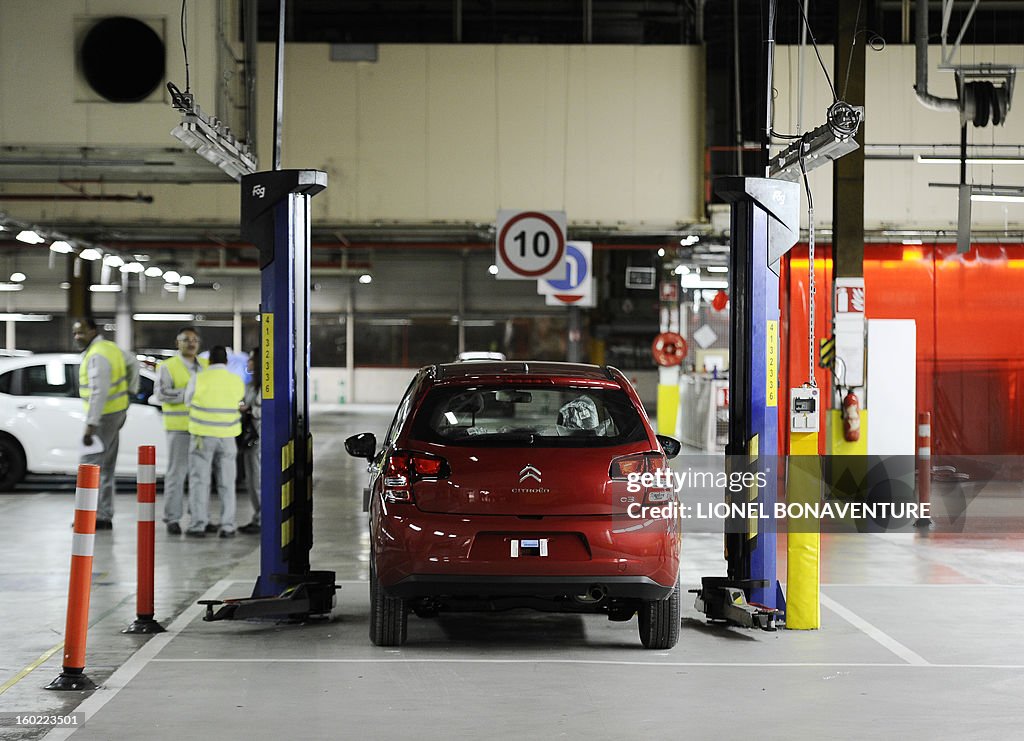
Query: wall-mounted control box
x,y
803,409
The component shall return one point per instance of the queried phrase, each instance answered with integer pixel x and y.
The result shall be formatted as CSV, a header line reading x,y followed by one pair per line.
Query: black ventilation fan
x,y
122,59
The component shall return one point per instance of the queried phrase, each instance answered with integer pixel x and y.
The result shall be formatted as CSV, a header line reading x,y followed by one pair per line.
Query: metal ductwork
x,y
921,58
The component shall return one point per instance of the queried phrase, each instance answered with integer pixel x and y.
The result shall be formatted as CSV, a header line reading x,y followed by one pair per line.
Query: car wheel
x,y
12,463
659,621
388,615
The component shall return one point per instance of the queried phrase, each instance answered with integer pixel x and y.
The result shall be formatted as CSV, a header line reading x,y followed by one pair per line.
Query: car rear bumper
x,y
616,587
424,554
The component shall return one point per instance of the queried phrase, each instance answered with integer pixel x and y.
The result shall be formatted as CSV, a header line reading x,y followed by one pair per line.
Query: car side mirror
x,y
670,445
363,445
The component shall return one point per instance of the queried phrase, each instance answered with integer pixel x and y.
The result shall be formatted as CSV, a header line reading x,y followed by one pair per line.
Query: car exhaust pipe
x,y
595,593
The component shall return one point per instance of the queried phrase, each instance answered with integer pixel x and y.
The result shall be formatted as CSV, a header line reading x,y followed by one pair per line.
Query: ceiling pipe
x,y
921,58
116,197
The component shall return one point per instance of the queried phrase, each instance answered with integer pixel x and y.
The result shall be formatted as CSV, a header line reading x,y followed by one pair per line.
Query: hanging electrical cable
x,y
810,269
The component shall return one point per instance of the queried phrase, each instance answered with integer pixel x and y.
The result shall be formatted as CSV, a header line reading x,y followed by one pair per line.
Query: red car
x,y
507,484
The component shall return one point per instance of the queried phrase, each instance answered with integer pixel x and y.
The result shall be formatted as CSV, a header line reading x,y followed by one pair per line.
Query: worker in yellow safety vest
x,y
107,378
214,421
172,379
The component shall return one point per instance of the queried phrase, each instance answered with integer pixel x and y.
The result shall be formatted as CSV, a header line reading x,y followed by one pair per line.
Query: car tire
x,y
12,463
659,622
389,616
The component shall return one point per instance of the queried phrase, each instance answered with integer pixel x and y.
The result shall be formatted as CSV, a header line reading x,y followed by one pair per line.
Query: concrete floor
x,y
920,639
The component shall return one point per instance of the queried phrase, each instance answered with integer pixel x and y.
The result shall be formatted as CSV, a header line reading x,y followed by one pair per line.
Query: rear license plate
x,y
527,547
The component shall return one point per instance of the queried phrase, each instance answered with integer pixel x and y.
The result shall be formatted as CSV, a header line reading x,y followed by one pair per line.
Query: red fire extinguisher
x,y
851,417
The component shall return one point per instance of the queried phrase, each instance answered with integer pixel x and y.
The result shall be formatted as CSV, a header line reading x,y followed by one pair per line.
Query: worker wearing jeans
x,y
214,421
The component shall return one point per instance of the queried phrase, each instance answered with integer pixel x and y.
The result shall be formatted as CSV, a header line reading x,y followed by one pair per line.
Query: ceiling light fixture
x,y
113,261
164,317
18,277
171,276
365,278
209,137
90,253
186,280
29,237
62,247
132,267
104,288
154,272
9,287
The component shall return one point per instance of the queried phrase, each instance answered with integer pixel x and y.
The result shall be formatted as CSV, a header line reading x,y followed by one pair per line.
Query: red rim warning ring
x,y
669,348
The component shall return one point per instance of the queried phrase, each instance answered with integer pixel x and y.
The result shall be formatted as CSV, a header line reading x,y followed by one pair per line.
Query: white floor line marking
x,y
911,657
601,662
137,662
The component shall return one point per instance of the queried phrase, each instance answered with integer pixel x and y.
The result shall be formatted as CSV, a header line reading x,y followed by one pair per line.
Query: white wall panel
x,y
42,91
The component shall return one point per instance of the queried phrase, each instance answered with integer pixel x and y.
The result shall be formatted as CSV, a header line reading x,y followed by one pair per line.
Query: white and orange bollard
x,y
76,628
924,464
146,489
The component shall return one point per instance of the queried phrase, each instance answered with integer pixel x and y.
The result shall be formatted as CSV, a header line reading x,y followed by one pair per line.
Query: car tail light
x,y
405,468
633,467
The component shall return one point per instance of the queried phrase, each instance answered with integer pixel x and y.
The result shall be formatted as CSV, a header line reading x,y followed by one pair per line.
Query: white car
x,y
42,419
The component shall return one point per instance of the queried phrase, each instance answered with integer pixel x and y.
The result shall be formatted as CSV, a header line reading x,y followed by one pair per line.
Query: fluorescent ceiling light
x,y
25,317
132,267
172,276
931,159
29,236
912,241
993,198
113,261
102,288
186,280
90,253
154,272
17,277
717,269
694,281
9,287
62,247
164,317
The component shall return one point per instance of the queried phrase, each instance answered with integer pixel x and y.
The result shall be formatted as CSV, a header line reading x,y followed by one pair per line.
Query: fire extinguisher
x,y
851,417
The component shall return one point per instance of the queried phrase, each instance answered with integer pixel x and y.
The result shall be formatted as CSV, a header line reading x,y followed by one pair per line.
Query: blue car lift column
x,y
275,217
765,224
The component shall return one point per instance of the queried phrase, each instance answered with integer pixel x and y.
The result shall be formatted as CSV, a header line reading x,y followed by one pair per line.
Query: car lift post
x,y
765,223
275,217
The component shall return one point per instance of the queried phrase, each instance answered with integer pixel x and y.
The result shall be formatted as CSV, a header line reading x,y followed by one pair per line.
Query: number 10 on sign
x,y
530,244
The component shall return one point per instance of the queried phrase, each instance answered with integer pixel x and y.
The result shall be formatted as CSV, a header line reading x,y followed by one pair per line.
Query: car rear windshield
x,y
520,416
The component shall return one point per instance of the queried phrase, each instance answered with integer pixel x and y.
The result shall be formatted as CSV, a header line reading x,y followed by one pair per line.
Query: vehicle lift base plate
x,y
724,599
311,595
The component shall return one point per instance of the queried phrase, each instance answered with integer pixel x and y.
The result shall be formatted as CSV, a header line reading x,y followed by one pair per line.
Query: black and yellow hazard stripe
x,y
827,352
287,495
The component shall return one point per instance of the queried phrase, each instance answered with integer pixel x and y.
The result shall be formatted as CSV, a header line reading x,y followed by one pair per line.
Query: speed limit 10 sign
x,y
530,245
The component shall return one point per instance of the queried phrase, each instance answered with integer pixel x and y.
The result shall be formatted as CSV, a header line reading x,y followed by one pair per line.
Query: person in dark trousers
x,y
173,376
107,378
213,398
252,405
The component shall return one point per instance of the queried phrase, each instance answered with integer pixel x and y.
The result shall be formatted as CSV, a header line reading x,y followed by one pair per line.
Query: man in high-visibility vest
x,y
107,378
172,379
214,421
